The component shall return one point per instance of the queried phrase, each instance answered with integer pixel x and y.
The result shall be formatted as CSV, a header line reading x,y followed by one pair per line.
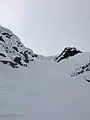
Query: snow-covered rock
x,y
66,53
14,48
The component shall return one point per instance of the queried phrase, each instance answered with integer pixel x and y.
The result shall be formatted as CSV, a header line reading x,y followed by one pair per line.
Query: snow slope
x,y
46,89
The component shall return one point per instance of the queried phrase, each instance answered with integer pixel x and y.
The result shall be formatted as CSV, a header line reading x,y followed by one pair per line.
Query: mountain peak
x,y
67,52
12,50
14,53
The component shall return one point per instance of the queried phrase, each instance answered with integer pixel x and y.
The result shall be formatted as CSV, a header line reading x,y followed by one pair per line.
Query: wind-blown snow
x,y
45,89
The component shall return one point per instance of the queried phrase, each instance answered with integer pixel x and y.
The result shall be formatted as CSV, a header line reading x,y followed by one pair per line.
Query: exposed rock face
x,y
81,69
14,50
12,64
67,52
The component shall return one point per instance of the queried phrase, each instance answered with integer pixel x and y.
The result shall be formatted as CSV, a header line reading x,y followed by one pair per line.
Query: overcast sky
x,y
47,26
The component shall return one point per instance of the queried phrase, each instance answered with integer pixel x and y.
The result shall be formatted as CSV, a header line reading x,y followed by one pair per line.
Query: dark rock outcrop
x,y
67,52
81,70
7,35
1,39
12,64
15,48
18,60
1,54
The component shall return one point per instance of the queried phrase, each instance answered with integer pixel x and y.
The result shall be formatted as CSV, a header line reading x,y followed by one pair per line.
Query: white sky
x,y
47,26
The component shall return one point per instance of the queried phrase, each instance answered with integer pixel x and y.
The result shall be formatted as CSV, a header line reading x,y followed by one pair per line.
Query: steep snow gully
x,y
34,87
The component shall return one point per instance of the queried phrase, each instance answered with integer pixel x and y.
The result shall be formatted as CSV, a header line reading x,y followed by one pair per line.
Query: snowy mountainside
x,y
18,55
34,87
15,50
